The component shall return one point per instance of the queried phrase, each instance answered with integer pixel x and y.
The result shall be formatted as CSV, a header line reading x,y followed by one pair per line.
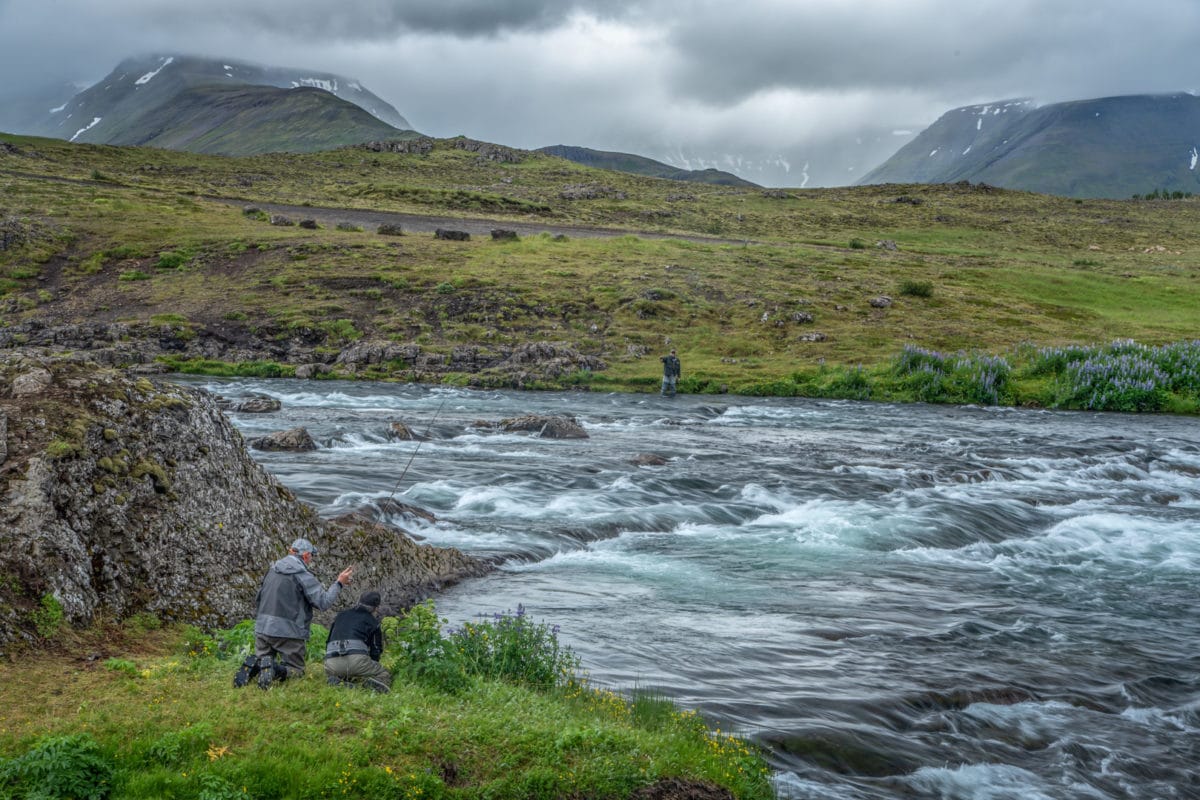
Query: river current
x,y
895,601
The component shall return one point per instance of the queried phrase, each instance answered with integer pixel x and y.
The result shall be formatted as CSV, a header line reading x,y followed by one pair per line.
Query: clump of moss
x,y
162,483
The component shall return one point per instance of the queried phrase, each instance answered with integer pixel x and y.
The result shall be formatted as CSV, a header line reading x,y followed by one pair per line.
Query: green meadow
x,y
146,711
760,291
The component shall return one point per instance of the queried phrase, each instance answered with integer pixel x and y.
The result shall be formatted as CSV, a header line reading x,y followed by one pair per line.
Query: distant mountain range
x,y
640,165
1112,147
229,107
1109,147
219,106
833,159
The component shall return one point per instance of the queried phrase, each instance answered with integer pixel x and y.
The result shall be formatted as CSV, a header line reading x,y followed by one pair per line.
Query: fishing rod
x,y
416,449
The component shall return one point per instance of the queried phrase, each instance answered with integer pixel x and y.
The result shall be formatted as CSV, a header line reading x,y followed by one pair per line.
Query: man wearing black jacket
x,y
355,645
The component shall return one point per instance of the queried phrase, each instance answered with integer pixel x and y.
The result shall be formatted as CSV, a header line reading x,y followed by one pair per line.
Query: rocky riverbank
x,y
304,353
122,494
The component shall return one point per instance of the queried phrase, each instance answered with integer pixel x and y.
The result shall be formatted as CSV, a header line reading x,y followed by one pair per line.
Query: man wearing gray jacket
x,y
286,600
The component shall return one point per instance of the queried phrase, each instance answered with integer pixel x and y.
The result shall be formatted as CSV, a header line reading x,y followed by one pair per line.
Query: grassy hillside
x,y
243,120
760,290
640,165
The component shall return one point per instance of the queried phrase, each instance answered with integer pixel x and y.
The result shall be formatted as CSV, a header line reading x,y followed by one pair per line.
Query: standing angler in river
x,y
286,600
670,373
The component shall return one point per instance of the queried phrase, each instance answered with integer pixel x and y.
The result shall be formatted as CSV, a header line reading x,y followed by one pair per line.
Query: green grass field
x,y
754,287
139,711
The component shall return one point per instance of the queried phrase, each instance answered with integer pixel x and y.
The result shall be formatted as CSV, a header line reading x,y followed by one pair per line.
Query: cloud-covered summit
x,y
762,75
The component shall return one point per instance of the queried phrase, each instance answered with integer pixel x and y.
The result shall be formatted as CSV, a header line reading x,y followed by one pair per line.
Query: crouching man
x,y
355,645
286,600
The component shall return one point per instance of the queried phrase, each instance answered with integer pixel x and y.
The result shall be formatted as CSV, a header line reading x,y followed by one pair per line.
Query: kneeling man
x,y
355,645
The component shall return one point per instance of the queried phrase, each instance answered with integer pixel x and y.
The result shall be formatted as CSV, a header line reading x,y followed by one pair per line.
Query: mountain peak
x,y
1104,147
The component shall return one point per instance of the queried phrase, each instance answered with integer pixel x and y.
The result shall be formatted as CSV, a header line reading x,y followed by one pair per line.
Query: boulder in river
x,y
260,404
547,427
295,440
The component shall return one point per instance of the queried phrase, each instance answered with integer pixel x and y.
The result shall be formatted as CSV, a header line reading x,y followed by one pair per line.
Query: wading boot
x,y
266,672
245,672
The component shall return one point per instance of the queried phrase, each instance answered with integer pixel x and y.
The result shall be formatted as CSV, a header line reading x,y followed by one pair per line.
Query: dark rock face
x,y
389,229
296,440
503,235
121,495
451,235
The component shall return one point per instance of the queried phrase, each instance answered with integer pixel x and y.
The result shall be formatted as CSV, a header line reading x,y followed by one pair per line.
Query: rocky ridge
x,y
122,494
139,345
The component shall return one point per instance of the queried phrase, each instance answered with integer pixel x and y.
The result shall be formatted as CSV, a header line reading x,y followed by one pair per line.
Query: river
x,y
895,601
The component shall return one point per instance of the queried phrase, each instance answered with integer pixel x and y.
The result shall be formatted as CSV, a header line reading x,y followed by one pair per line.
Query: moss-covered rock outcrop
x,y
121,494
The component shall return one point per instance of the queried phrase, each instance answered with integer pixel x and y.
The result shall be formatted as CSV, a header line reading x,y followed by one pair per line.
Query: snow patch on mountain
x,y
85,129
317,83
1195,156
60,108
149,76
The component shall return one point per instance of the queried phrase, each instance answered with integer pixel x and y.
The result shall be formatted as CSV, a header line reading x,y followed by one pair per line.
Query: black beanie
x,y
370,600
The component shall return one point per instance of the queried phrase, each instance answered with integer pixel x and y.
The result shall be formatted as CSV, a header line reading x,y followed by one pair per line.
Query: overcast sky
x,y
749,74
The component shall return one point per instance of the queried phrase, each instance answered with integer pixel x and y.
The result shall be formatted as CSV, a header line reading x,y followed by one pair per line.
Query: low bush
x,y
59,767
511,647
916,288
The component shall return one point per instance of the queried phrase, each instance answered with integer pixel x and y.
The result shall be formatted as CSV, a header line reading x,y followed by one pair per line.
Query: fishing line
x,y
416,449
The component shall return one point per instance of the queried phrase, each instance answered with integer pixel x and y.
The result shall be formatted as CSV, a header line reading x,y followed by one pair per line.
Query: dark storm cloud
x,y
1023,47
613,74
380,19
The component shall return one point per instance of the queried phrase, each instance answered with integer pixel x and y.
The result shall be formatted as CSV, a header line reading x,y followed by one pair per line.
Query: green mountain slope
x,y
640,165
1110,147
245,120
221,106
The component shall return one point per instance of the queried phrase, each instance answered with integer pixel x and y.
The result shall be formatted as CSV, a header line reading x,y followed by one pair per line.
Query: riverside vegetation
x,y
496,709
949,293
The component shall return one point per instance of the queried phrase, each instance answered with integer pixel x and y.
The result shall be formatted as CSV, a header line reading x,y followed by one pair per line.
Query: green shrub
x,y
67,767
47,618
445,288
124,251
851,384
133,275
175,748
418,649
122,665
858,244
511,647
916,288
341,330
172,259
